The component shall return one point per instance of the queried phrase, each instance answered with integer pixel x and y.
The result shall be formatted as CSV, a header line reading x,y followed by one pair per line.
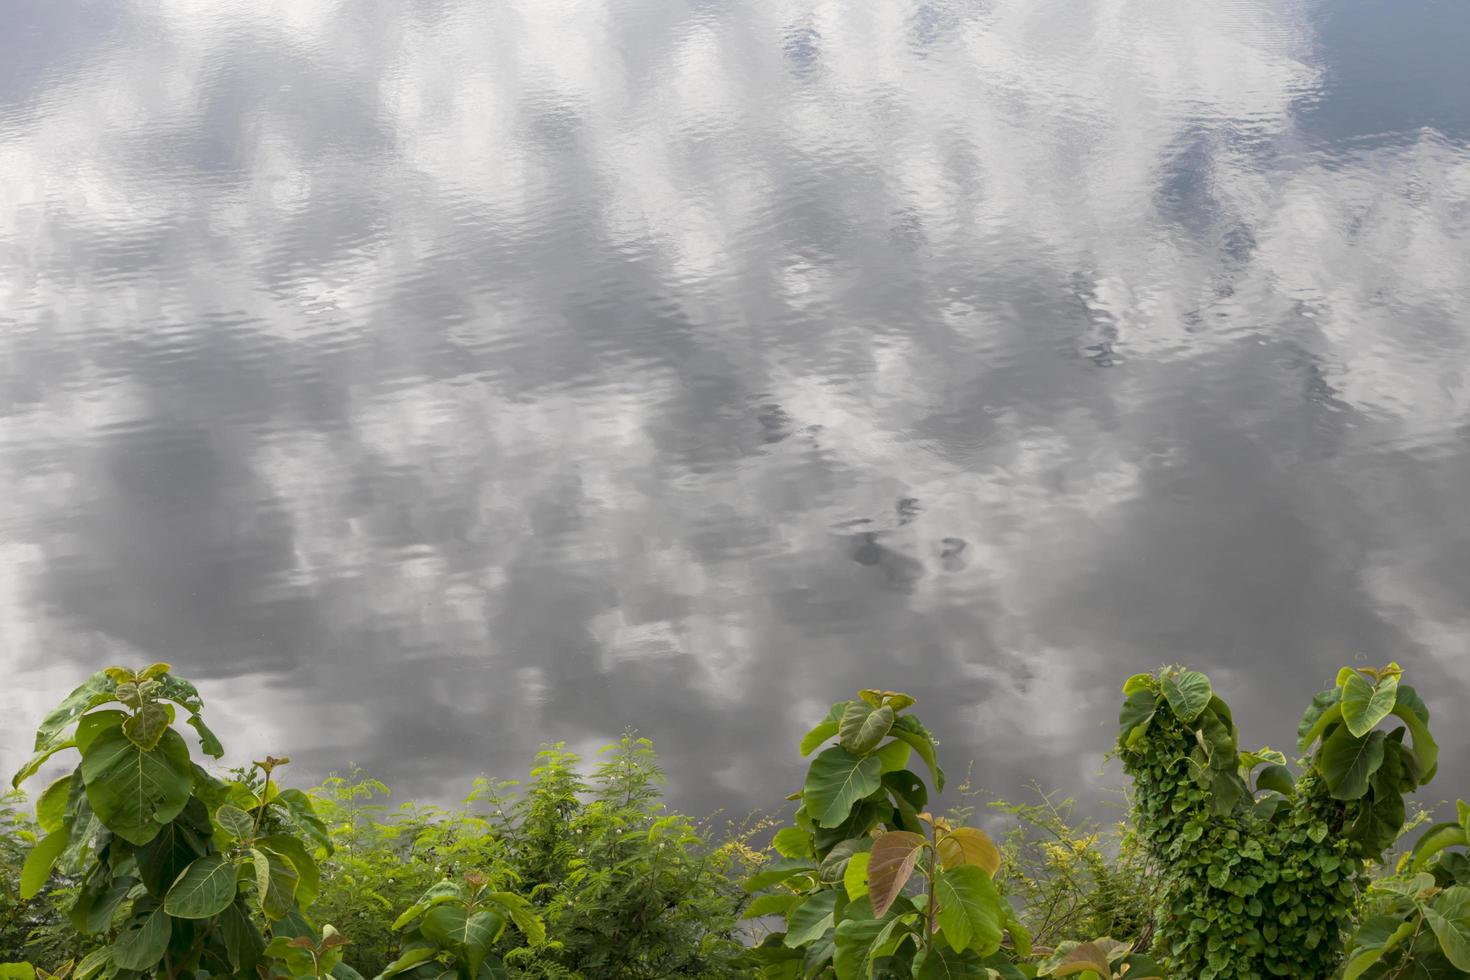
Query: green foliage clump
x,y
178,873
1261,887
1074,879
862,834
33,927
1417,922
628,891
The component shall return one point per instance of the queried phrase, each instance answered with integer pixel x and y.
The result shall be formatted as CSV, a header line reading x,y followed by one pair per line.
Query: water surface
x,y
432,378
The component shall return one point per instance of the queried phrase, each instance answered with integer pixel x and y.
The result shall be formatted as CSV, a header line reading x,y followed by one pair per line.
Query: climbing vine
x,y
1263,869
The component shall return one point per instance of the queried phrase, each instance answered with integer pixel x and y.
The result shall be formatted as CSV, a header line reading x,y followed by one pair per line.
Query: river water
x,y
434,378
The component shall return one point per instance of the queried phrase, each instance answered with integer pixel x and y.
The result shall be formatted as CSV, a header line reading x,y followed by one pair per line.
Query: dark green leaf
x,y
135,792
1347,762
141,942
204,890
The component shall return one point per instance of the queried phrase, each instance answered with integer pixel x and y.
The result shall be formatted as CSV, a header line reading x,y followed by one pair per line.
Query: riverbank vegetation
x,y
142,861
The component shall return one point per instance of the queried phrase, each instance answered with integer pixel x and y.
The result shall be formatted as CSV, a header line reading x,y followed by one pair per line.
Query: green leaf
x,y
1188,693
1347,762
970,913
95,690
908,729
38,760
855,876
1449,917
853,941
1365,705
235,822
778,904
1278,778
777,872
1425,750
204,890
793,842
308,876
173,849
141,942
275,883
51,807
407,961
890,865
862,727
1138,710
895,756
38,863
943,963
824,729
1326,707
523,914
861,942
147,725
135,792
17,971
837,779
810,920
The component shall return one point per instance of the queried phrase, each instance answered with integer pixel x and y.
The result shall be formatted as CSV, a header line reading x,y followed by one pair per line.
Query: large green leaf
x,y
135,792
942,963
174,848
38,863
1348,761
1278,778
836,780
863,726
471,935
275,882
810,920
143,939
308,876
51,806
890,864
1449,917
204,890
970,913
95,690
1364,705
1188,693
859,942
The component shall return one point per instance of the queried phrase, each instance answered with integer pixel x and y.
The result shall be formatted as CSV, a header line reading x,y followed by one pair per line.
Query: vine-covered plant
x,y
1418,924
1262,870
177,869
862,833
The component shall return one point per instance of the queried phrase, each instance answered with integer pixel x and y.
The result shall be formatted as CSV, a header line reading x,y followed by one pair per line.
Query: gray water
x,y
433,378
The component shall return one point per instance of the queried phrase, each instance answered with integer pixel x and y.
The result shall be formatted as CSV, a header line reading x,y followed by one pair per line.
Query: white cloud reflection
x,y
519,369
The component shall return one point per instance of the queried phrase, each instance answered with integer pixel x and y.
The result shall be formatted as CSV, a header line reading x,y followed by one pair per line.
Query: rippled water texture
x,y
435,377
